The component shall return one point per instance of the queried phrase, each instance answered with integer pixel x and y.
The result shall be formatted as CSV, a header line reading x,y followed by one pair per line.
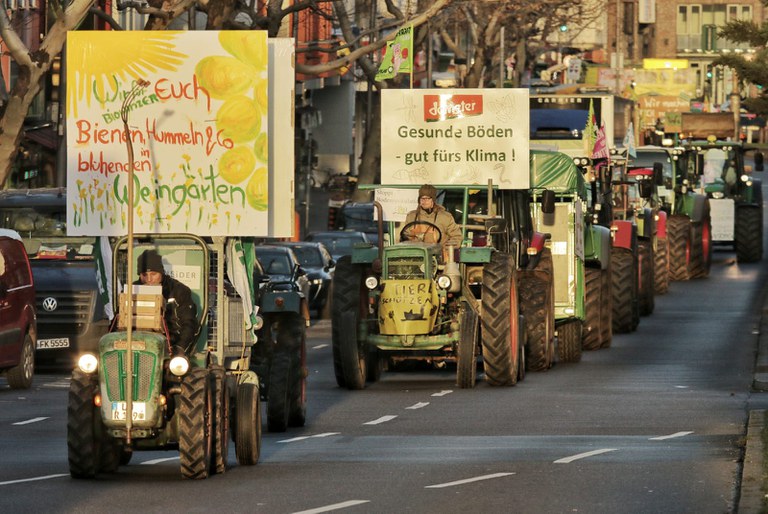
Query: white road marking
x,y
59,384
319,346
670,436
443,392
681,387
294,439
467,480
158,461
382,419
33,420
335,506
418,405
568,460
46,477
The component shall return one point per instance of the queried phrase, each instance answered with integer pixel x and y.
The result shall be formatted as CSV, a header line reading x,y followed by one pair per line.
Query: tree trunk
x,y
370,160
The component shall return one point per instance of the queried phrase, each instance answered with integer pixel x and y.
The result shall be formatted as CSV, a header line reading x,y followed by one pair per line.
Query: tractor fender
x,y
755,192
661,225
281,301
597,245
539,239
700,208
645,224
624,234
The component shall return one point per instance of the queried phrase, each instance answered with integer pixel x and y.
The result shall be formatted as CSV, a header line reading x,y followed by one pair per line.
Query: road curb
x,y
752,496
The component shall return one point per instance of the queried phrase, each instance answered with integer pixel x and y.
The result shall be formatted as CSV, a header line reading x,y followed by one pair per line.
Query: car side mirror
x,y
658,173
646,188
759,161
548,201
331,264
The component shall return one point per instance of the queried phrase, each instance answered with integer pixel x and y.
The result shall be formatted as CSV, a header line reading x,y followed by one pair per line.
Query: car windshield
x,y
274,263
44,232
308,255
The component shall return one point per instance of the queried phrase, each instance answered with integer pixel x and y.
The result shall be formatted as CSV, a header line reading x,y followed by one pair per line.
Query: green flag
x,y
589,137
399,55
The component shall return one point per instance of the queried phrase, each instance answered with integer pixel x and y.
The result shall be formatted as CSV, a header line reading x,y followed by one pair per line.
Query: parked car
x,y
18,323
339,242
319,265
358,216
283,268
70,311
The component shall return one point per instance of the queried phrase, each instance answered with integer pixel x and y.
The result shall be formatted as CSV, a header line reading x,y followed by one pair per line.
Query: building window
x,y
688,27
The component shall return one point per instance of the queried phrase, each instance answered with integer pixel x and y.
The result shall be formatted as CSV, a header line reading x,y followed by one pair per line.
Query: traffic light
x,y
563,28
709,73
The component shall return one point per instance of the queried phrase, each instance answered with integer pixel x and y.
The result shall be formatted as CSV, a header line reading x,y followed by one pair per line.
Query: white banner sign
x,y
455,136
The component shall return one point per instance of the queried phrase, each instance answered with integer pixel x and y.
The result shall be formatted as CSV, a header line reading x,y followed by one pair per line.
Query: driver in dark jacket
x,y
430,212
180,309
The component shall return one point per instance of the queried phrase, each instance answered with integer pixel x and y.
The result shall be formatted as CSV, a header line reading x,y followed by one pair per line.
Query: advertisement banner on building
x,y
455,136
199,130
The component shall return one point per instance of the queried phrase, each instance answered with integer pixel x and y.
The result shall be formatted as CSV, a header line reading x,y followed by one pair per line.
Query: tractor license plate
x,y
49,344
139,411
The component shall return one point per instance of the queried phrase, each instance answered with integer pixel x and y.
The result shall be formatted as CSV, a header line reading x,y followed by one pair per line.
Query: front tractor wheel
x,y
84,426
500,332
247,426
537,299
569,341
349,355
196,424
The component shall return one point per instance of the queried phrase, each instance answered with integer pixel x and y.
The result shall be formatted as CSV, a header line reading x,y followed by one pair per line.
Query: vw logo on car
x,y
50,304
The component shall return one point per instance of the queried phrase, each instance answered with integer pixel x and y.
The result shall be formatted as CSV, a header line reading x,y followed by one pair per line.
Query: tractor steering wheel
x,y
420,230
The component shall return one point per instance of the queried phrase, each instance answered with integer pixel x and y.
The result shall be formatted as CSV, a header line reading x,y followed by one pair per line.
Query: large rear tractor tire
x,y
466,365
195,411
278,391
569,341
624,287
537,305
20,376
749,233
247,429
500,331
84,434
349,356
591,326
645,278
679,239
606,309
660,268
220,420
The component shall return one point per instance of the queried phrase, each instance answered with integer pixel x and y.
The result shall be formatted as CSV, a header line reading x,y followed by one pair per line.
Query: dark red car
x,y
18,323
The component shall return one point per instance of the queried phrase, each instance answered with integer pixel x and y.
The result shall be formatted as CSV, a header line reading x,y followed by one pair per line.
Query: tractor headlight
x,y
371,282
258,323
745,178
87,363
179,366
718,195
444,282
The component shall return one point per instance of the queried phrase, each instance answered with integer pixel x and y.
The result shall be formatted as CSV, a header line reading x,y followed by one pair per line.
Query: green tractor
x,y
580,250
688,223
135,394
414,300
734,195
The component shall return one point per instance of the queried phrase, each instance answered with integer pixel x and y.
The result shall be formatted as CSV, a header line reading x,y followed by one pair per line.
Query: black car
x,y
283,268
339,242
358,216
319,265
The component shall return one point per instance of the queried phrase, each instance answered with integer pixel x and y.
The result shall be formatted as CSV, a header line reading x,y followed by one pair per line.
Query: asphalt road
x,y
656,423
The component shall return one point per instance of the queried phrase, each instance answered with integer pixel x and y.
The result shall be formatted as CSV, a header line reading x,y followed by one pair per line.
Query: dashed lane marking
x,y
335,506
467,480
34,479
568,460
418,405
294,439
443,392
158,461
670,436
382,419
319,346
33,420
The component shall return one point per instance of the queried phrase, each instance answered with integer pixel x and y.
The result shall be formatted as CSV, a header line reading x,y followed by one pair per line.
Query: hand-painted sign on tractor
x,y
460,136
199,132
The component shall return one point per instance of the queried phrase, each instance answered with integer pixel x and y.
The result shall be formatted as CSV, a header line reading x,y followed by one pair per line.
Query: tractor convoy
x,y
560,248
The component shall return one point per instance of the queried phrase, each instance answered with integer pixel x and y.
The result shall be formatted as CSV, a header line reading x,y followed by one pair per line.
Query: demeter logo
x,y
448,107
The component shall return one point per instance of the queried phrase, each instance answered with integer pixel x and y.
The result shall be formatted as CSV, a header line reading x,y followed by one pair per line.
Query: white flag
x,y
629,141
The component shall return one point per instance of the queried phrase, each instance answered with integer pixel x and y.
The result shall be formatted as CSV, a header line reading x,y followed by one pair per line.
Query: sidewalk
x,y
751,497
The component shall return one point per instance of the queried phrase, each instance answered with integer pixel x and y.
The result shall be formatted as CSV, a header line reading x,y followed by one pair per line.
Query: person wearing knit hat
x,y
180,309
429,211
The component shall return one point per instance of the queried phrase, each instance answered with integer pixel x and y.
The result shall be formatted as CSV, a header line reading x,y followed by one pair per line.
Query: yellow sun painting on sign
x,y
198,129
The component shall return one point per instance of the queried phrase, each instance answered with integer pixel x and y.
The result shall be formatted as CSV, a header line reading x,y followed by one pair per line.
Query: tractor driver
x,y
180,310
431,213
